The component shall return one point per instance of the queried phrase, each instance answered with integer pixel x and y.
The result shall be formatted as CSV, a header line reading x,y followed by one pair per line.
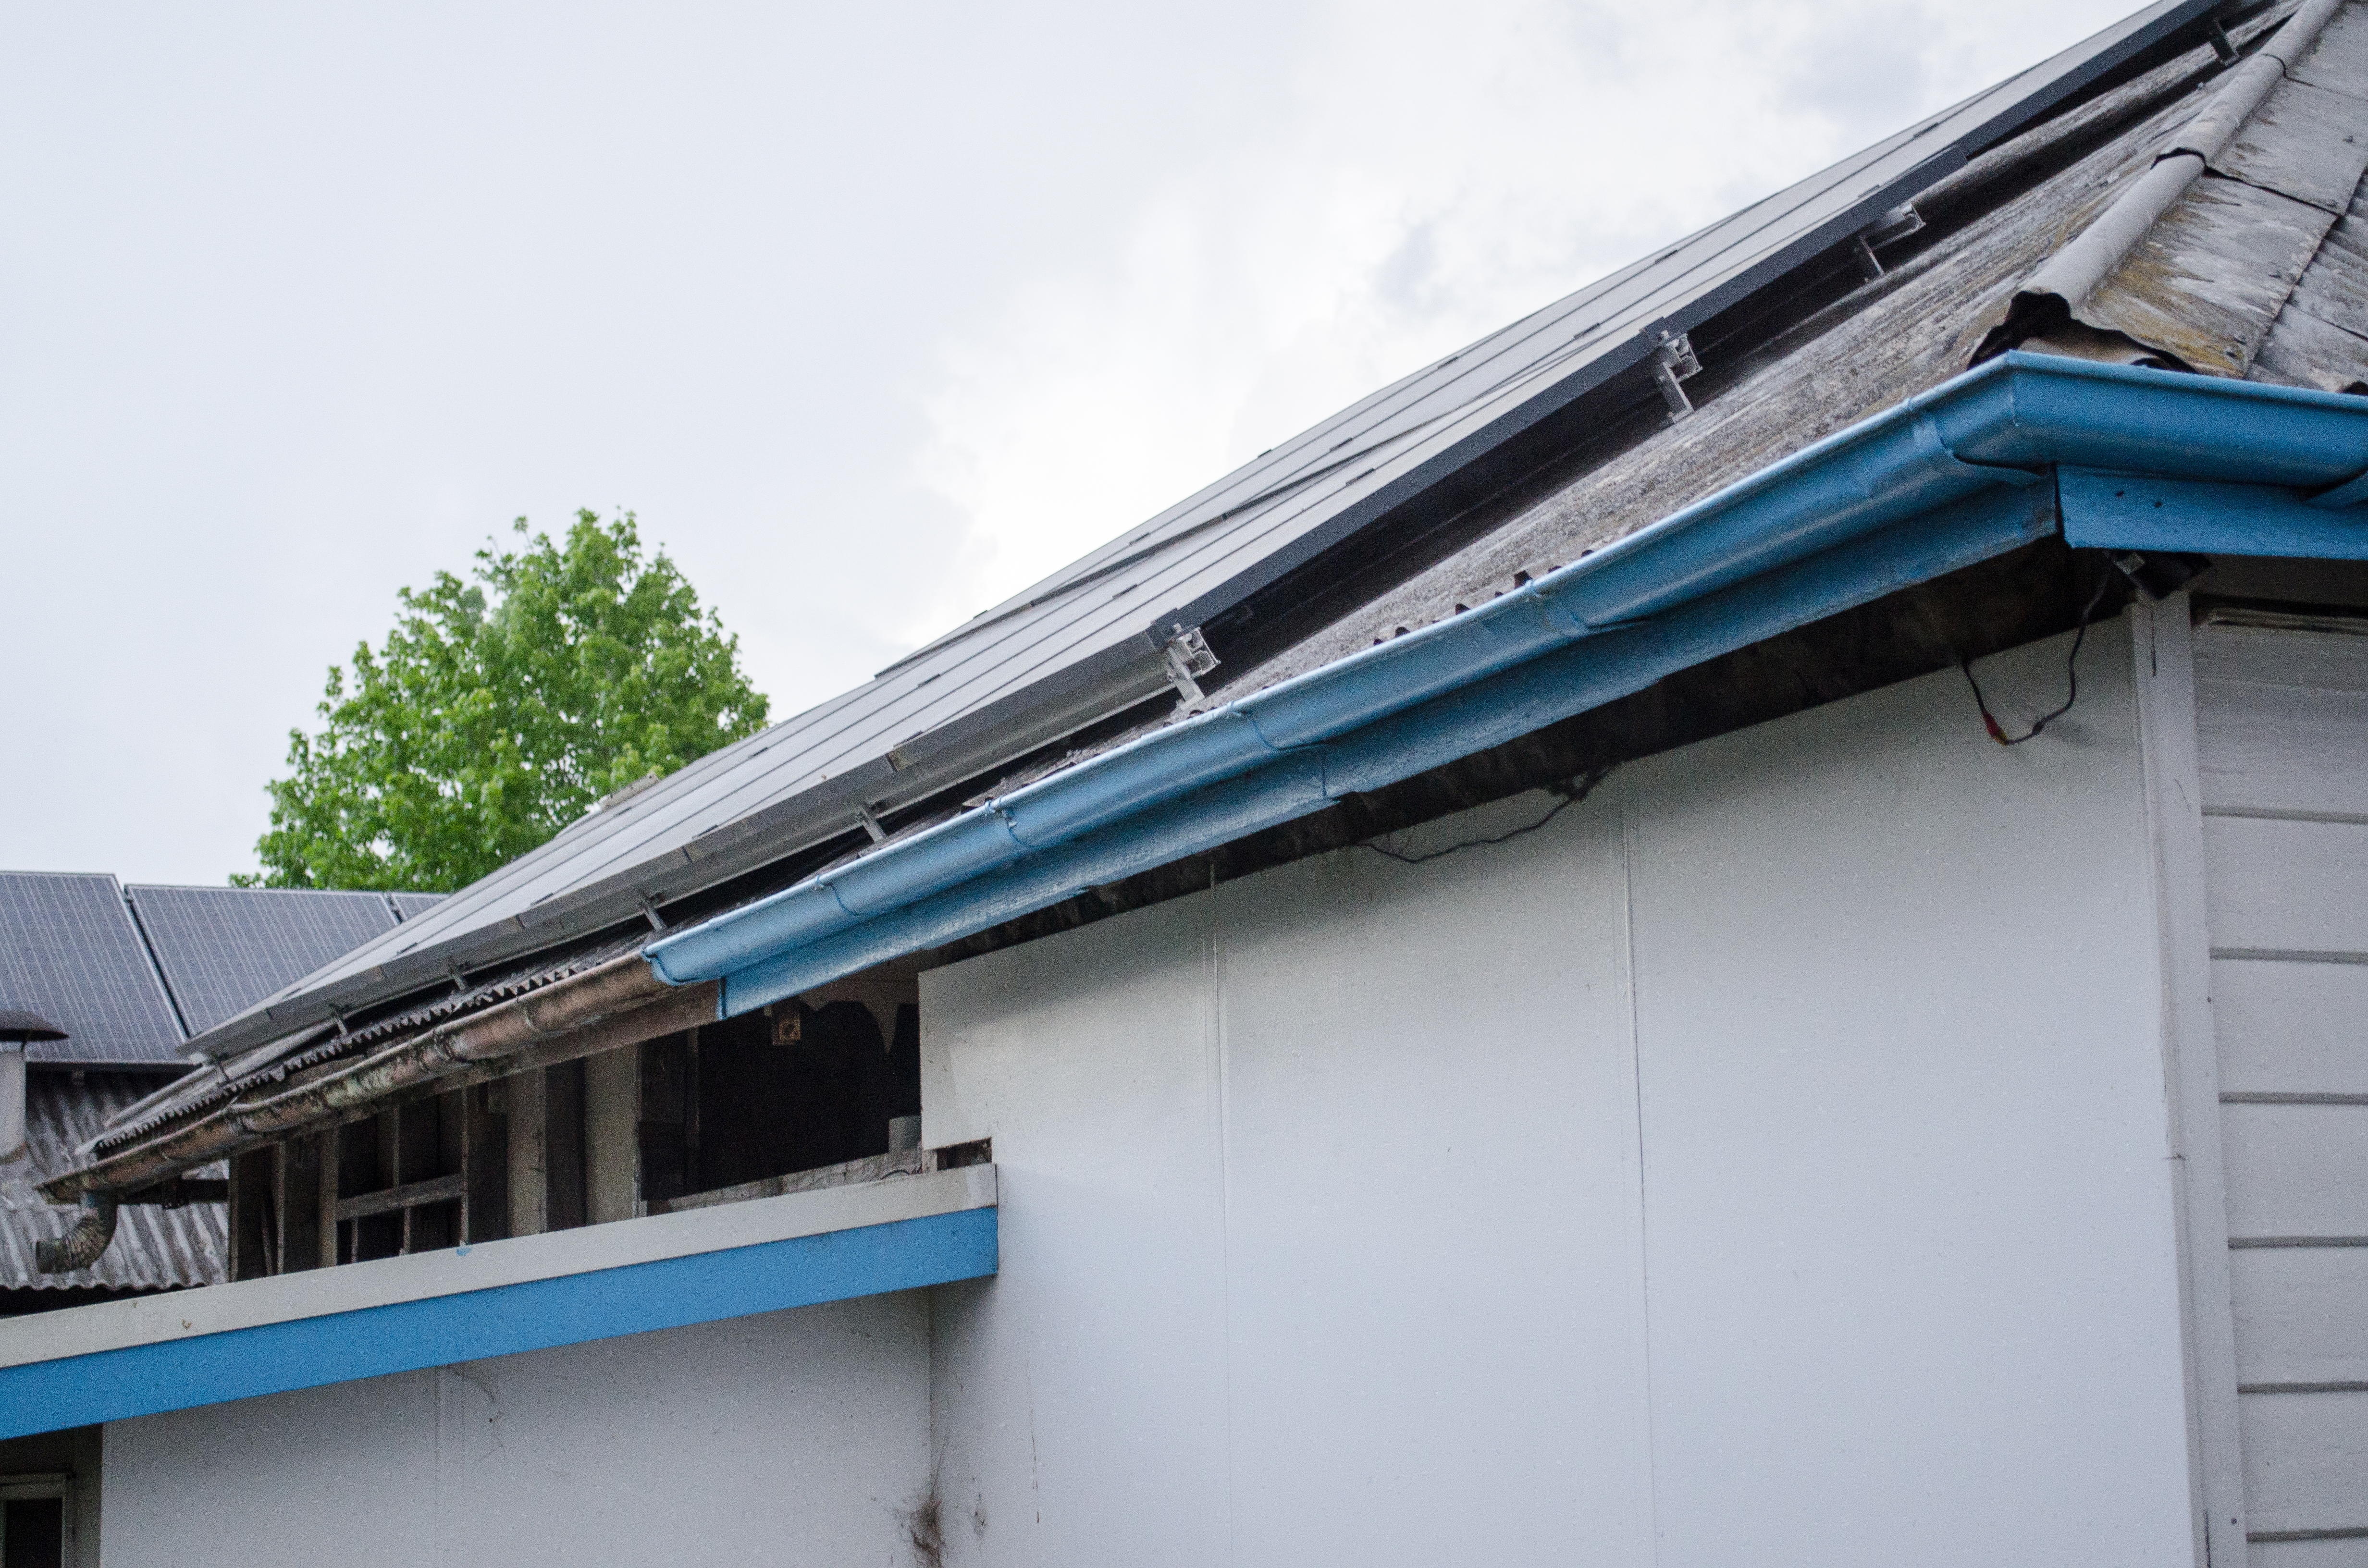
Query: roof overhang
x,y
158,1352
2025,446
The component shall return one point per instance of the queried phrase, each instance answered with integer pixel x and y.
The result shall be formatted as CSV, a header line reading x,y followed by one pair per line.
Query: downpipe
x,y
82,1245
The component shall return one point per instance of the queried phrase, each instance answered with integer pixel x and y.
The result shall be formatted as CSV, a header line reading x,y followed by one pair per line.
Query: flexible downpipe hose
x,y
82,1245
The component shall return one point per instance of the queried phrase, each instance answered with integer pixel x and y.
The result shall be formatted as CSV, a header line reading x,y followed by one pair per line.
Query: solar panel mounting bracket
x,y
1187,656
1674,361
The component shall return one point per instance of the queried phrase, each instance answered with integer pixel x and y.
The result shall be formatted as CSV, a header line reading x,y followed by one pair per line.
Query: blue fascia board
x,y
2142,512
1995,432
145,1380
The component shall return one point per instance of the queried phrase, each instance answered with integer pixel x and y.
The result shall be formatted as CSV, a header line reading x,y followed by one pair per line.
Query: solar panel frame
x,y
411,905
223,949
1089,633
70,952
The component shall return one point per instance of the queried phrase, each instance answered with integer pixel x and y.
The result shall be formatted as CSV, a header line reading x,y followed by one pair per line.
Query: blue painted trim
x,y
1994,431
143,1379
2125,511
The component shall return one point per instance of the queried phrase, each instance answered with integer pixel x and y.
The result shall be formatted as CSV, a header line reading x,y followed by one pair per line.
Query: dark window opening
x,y
768,1094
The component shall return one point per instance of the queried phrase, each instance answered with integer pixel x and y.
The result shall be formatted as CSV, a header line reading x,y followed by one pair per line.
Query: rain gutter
x,y
1957,475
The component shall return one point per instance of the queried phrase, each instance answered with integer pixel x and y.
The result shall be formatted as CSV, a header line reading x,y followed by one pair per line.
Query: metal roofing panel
x,y
69,952
1092,633
225,948
154,1247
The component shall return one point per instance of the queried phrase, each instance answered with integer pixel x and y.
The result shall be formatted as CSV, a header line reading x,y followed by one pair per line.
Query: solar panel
x,y
69,952
1089,643
223,949
407,904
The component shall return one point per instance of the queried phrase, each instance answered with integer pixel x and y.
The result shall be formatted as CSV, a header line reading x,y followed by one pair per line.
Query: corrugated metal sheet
x,y
1084,643
202,1089
154,1247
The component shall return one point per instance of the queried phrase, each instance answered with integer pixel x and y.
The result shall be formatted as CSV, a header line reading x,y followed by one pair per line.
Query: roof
x,y
1019,684
129,974
1824,354
155,1247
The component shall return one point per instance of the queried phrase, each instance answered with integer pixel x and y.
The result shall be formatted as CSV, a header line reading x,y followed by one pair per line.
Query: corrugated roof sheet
x,y
1084,643
205,1088
154,1247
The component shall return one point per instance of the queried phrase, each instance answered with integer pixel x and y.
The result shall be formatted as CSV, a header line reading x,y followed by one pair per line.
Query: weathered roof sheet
x,y
1085,644
154,1248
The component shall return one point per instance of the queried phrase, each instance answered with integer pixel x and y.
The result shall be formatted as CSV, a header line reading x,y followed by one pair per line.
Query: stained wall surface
x,y
792,1437
1763,1161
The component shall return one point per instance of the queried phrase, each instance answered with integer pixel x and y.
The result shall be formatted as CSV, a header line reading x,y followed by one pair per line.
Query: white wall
x,y
793,1437
1763,1163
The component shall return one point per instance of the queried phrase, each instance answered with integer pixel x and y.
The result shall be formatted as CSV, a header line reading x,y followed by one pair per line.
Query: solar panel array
x,y
1087,642
69,953
122,970
225,948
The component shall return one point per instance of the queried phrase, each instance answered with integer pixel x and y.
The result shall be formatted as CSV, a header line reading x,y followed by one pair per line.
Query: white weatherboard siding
x,y
792,1437
2282,731
1763,1163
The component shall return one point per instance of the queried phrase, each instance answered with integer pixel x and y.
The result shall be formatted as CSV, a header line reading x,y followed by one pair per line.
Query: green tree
x,y
501,709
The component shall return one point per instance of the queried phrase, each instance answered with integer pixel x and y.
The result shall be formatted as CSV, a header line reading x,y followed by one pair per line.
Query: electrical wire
x,y
2071,680
1572,790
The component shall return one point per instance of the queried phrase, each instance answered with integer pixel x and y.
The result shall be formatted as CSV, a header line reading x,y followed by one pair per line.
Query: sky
x,y
873,314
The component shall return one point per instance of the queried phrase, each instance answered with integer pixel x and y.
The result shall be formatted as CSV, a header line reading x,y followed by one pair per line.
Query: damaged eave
x,y
615,1004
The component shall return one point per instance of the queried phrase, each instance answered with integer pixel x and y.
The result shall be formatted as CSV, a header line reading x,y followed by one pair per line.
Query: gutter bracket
x,y
870,819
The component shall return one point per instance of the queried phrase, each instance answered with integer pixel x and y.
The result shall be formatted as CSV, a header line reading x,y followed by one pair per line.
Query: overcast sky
x,y
872,314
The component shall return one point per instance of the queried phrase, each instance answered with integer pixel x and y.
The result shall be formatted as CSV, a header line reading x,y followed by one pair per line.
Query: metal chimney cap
x,y
22,1027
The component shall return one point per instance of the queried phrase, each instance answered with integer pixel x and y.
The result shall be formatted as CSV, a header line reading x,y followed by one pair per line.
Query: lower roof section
x,y
140,1357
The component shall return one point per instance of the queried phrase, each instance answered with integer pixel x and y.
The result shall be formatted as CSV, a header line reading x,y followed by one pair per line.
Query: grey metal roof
x,y
154,1247
1086,642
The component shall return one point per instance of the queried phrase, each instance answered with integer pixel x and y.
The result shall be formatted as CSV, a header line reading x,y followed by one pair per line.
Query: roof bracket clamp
x,y
1896,224
1188,657
870,822
1674,361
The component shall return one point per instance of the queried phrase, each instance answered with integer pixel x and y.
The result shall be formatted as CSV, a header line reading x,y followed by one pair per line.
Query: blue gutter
x,y
1955,476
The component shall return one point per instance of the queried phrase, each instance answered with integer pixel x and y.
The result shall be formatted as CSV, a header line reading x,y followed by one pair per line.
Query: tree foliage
x,y
501,708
